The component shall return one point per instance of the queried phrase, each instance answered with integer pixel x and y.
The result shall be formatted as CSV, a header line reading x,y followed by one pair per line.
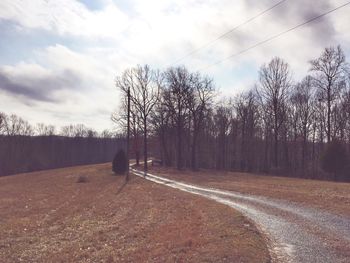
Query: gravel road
x,y
294,233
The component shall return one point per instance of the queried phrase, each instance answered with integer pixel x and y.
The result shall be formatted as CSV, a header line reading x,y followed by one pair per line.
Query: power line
x,y
194,51
275,36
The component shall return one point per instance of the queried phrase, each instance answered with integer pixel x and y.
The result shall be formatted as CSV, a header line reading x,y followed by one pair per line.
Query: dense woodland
x,y
25,148
280,126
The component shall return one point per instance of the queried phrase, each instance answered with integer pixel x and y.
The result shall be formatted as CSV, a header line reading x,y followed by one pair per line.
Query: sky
x,y
59,59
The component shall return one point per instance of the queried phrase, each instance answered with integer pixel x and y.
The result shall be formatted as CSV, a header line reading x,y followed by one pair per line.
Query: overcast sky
x,y
59,59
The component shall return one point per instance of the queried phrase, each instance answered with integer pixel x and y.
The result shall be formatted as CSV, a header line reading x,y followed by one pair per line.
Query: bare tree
x,y
44,130
106,134
175,96
120,119
161,121
77,130
91,133
3,117
80,130
198,102
302,100
15,125
222,120
144,91
67,131
330,71
346,112
273,129
247,113
275,81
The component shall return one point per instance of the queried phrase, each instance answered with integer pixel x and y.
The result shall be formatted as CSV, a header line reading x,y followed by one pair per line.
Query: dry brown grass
x,y
48,217
330,196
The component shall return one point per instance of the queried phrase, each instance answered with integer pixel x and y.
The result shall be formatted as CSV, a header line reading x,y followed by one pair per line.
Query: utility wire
x,y
275,36
196,50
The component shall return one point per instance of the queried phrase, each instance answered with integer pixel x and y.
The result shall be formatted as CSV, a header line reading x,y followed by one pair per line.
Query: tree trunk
x,y
303,152
137,148
193,151
223,151
329,114
166,160
137,155
145,150
243,151
266,146
179,146
276,149
313,151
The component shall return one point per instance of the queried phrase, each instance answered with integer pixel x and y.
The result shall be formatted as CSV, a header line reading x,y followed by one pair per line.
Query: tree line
x,y
278,126
13,125
26,148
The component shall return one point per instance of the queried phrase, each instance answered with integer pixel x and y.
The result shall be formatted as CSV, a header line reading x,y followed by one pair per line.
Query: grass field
x,y
85,214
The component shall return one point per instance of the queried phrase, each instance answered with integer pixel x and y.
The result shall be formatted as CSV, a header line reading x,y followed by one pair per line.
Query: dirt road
x,y
296,233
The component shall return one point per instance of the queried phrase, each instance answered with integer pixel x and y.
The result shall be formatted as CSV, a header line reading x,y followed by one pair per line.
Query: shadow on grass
x,y
131,178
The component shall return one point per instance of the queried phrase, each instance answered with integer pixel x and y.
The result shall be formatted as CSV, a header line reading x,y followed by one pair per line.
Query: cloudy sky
x,y
59,59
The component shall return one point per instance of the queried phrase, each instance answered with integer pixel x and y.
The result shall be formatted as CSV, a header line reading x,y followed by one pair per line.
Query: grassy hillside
x,y
48,216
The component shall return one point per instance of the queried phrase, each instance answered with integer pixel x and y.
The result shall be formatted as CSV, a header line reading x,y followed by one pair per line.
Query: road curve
x,y
295,233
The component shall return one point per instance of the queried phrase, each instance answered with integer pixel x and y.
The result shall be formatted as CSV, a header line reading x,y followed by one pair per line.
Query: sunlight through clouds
x,y
96,41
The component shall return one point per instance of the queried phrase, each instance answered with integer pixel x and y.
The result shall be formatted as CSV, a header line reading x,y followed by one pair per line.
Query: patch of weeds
x,y
82,179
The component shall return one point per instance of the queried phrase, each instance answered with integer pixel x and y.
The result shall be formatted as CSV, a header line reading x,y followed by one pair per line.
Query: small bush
x,y
334,159
120,163
82,179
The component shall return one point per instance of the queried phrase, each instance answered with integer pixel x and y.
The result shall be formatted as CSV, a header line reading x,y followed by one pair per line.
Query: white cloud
x,y
65,17
68,87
